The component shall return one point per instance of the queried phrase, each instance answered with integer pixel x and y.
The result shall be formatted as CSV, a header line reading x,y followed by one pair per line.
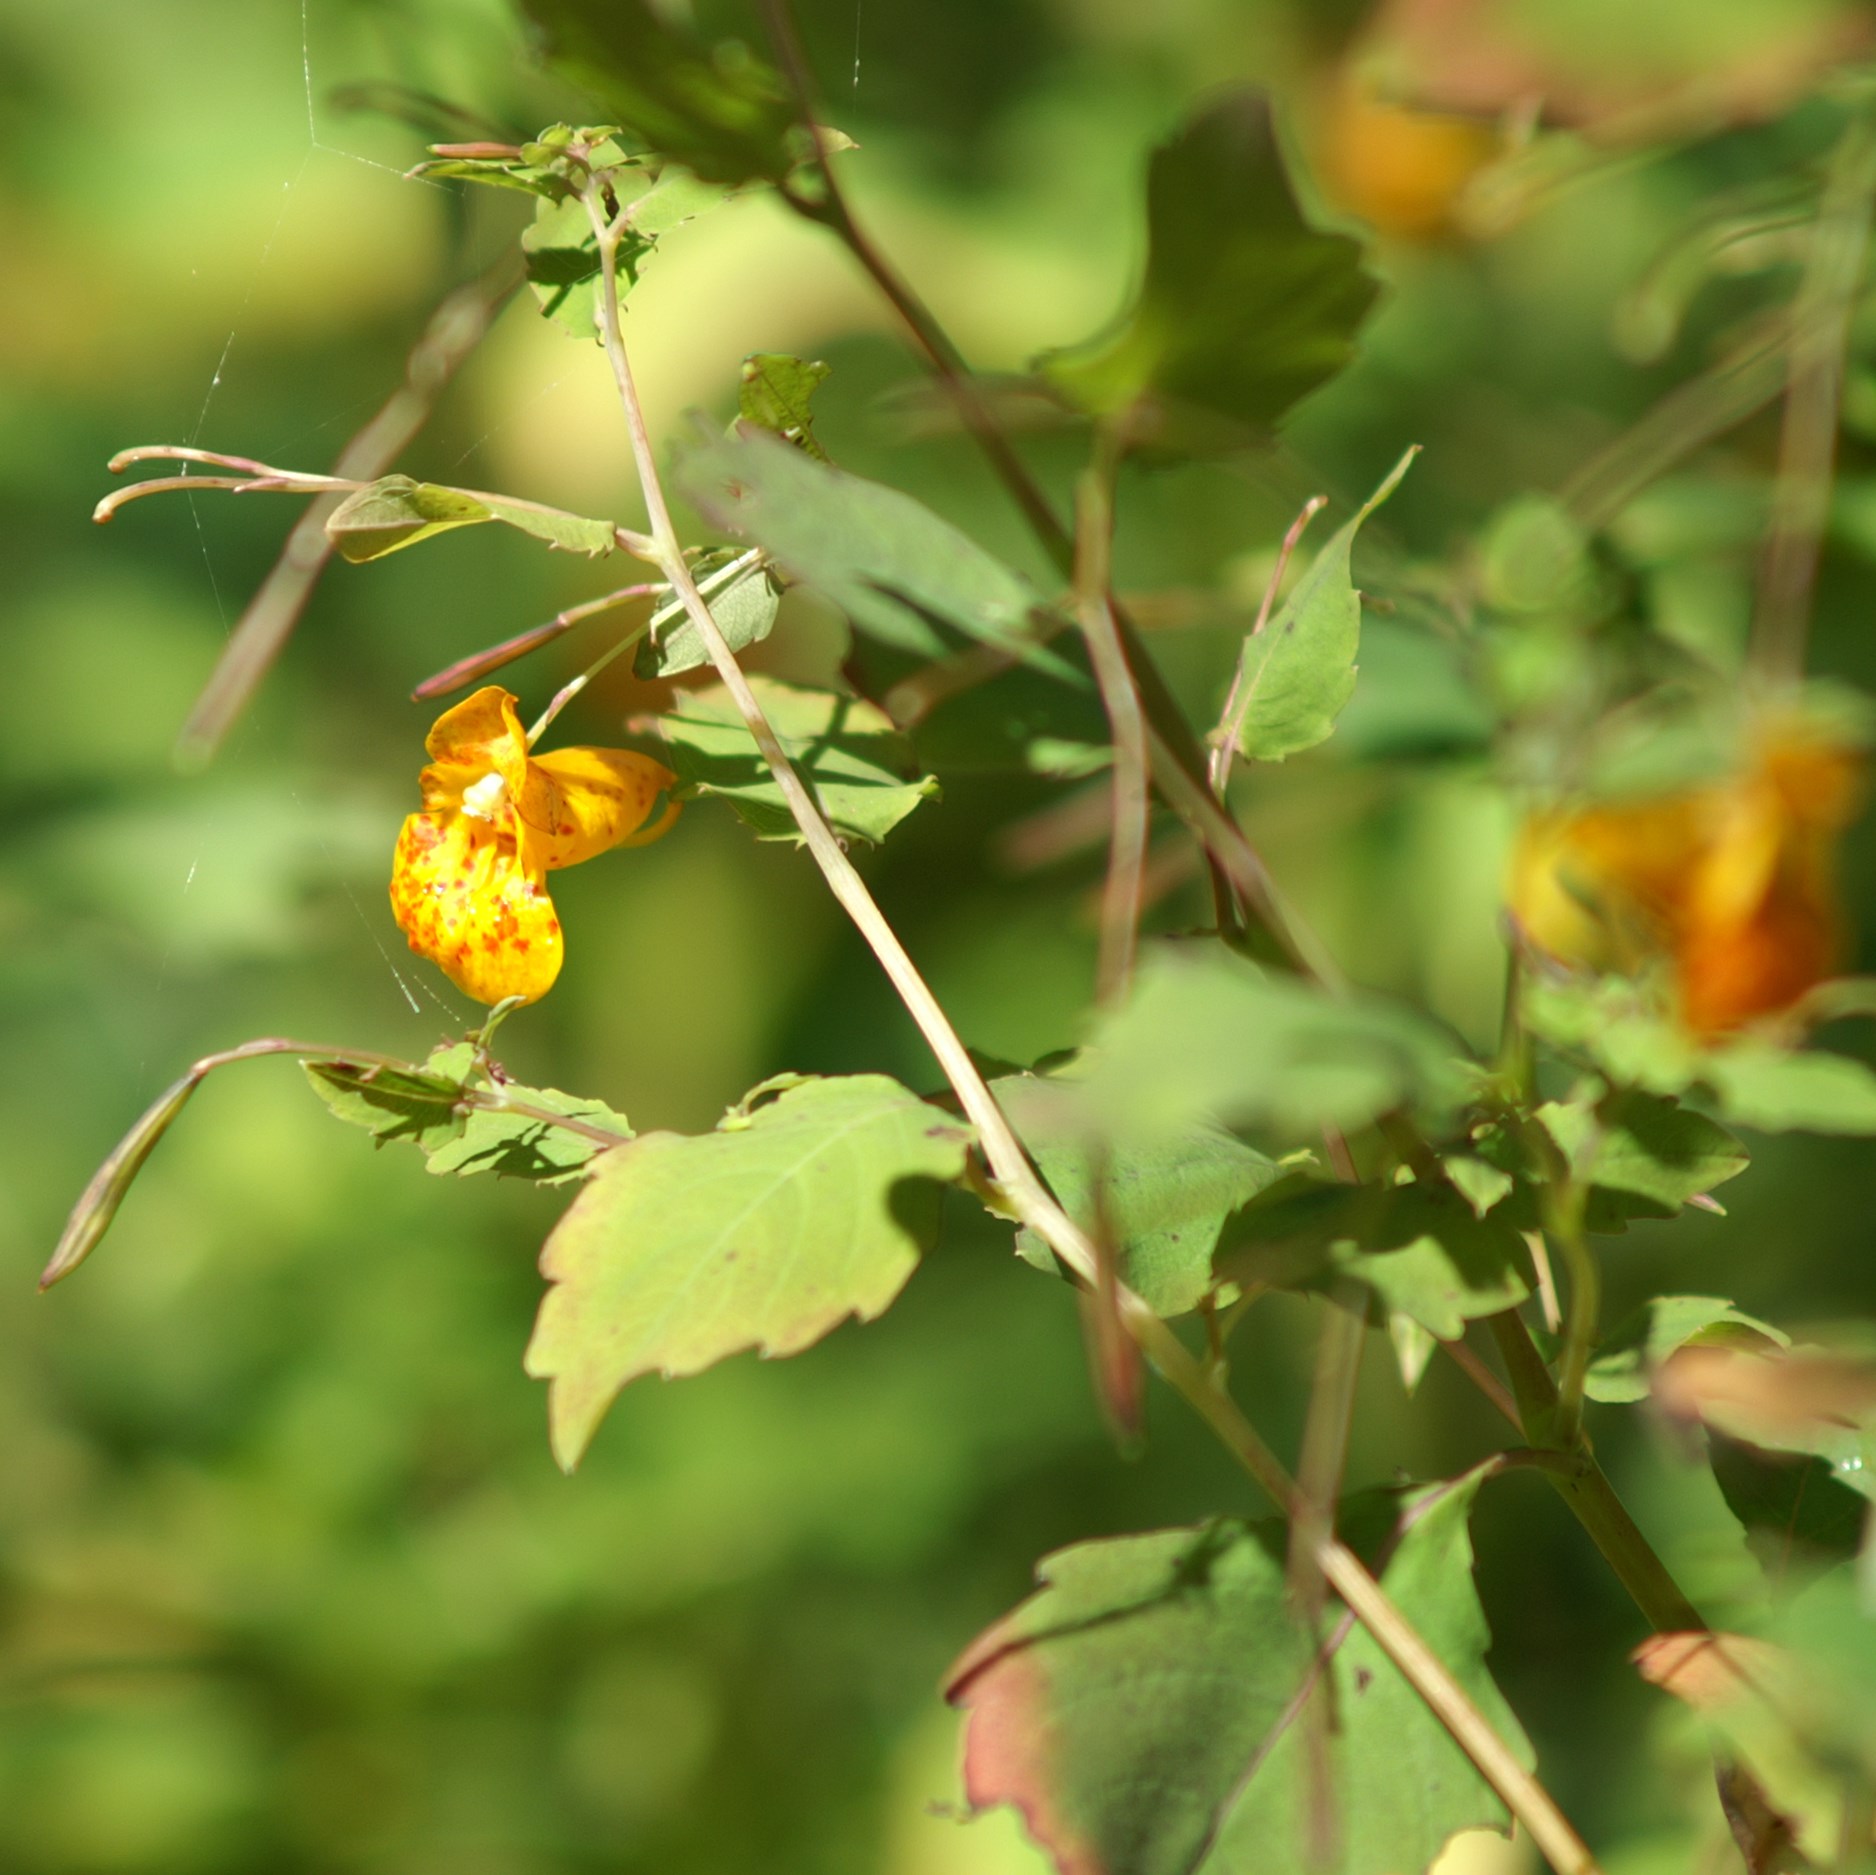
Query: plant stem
x,y
1820,329
1126,861
1587,1491
455,329
1022,1188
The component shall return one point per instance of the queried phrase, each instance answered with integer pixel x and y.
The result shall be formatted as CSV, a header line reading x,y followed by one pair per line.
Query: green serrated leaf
x,y
1624,1367
1645,1144
777,394
1244,308
681,1251
848,752
396,512
744,611
1422,1249
1164,1201
522,1139
1298,672
716,108
889,563
388,1103
1207,1035
448,1108
561,254
1141,1710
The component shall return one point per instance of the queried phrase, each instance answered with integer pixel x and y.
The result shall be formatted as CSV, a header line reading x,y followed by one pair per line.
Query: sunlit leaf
x,y
744,611
1299,671
1163,1200
777,394
848,751
888,562
1244,308
1141,1709
396,512
1774,1090
466,1120
1635,1348
1645,1144
764,1234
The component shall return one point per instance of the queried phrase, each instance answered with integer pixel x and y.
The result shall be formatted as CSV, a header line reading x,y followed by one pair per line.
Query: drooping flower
x,y
469,877
1731,885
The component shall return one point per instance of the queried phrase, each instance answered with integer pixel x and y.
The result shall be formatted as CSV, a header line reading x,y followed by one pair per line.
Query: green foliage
x,y
1163,1200
847,751
1644,1144
716,109
396,512
764,1234
1296,675
1624,1368
1534,559
1244,307
777,394
1143,1711
744,609
467,1120
887,561
1208,1035
1775,1091
1422,1249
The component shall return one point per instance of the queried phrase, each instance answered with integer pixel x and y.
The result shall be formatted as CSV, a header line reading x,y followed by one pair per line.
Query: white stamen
x,y
482,800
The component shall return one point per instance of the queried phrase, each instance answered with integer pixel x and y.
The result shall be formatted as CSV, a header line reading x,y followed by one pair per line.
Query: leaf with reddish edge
x,y
1140,1711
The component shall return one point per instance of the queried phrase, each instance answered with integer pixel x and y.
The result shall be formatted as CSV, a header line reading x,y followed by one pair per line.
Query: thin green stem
x,y
1585,1489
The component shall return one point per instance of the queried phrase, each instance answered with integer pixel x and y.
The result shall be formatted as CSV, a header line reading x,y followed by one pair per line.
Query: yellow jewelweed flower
x,y
1732,885
469,878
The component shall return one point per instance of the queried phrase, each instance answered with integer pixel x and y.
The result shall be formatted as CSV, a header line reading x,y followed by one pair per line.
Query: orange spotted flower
x,y
1733,885
469,879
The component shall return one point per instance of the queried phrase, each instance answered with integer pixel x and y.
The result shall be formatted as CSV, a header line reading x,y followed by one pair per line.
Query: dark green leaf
x,y
848,752
764,1234
1207,1035
891,565
1794,1509
717,109
777,394
1624,1367
1017,722
1244,309
1422,1249
1299,671
397,512
1141,1709
744,610
1645,1144
1164,1201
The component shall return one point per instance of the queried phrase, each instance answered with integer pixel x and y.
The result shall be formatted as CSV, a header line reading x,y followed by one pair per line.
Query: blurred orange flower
x,y
468,880
1402,169
1732,885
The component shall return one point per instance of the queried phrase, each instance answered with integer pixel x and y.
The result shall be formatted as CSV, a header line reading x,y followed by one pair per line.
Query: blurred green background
x,y
287,1578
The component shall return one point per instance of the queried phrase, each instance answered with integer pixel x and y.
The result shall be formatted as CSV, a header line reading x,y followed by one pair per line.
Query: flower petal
x,y
482,736
465,900
594,799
